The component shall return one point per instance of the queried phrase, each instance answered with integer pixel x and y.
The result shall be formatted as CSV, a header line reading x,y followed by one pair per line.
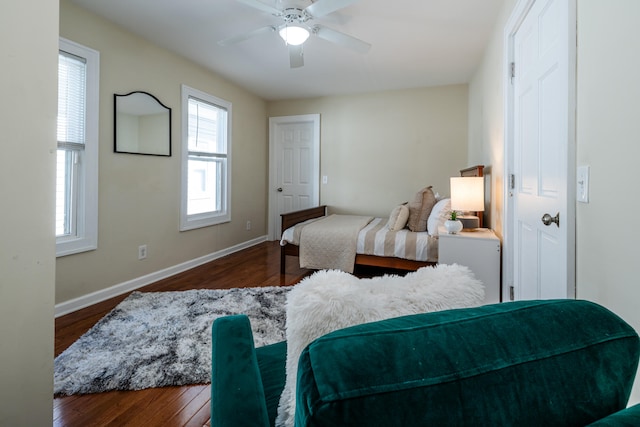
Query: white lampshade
x,y
294,35
467,194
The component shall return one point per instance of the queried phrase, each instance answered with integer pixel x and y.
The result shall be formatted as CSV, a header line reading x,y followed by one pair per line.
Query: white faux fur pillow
x,y
329,300
398,218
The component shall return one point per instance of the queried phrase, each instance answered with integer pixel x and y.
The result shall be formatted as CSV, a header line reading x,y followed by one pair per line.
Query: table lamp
x,y
467,197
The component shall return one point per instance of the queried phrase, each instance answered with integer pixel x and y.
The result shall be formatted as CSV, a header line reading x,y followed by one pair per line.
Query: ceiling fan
x,y
297,27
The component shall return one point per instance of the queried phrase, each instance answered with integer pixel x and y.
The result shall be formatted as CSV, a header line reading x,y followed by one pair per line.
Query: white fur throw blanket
x,y
331,300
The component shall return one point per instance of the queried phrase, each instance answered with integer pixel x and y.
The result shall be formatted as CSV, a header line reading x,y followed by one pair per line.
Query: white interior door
x,y
542,223
294,145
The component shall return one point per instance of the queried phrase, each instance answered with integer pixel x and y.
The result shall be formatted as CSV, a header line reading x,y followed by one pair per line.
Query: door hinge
x,y
512,71
511,293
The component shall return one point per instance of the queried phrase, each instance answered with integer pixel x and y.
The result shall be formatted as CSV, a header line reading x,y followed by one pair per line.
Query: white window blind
x,y
72,83
77,157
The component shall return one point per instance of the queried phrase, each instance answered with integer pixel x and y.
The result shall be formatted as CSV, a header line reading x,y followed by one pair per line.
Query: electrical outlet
x,y
248,225
142,252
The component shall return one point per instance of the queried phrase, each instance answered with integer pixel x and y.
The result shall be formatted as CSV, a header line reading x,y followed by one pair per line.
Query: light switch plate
x,y
582,184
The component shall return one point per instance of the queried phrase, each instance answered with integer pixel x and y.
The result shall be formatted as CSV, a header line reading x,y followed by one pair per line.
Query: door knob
x,y
279,189
548,219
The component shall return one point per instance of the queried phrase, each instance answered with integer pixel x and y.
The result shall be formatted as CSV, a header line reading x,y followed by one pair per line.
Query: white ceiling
x,y
415,43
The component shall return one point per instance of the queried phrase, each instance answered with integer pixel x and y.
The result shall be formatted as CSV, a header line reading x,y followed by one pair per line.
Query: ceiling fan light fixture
x,y
294,35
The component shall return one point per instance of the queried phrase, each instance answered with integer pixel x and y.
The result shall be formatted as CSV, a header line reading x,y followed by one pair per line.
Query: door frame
x,y
273,123
518,14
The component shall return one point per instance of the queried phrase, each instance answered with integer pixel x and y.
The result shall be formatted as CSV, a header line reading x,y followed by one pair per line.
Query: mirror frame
x,y
116,97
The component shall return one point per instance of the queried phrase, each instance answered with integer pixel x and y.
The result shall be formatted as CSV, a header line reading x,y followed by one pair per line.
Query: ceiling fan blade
x,y
261,6
296,57
325,7
341,38
246,36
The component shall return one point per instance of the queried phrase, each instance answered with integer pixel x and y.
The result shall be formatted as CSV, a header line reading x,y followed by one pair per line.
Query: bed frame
x,y
292,218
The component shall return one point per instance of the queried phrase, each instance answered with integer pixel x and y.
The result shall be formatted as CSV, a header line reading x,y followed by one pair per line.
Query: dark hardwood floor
x,y
169,406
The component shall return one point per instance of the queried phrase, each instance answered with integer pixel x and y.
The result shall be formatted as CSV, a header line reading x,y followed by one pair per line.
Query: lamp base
x,y
469,221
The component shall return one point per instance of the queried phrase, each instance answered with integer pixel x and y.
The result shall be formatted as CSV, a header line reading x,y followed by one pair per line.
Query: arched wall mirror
x,y
142,125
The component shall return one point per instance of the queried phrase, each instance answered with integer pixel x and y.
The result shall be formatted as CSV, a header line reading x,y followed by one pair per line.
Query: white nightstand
x,y
480,251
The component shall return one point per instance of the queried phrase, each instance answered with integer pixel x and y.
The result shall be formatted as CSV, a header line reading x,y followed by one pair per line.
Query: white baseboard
x,y
128,286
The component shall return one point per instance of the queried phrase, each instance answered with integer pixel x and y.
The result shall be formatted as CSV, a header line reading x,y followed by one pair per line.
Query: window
x,y
77,156
206,160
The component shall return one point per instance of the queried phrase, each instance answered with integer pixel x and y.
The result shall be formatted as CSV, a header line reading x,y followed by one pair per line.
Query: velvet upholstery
x,y
235,375
562,362
628,417
271,362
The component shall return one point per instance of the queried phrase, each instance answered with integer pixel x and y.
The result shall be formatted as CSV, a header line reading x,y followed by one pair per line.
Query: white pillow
x,y
398,218
439,214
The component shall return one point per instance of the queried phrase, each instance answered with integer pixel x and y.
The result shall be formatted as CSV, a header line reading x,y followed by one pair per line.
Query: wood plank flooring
x,y
169,406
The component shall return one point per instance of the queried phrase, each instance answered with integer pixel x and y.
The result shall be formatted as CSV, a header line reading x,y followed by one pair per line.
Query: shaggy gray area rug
x,y
158,339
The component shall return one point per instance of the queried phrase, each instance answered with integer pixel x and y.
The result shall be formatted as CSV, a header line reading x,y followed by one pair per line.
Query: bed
x,y
375,245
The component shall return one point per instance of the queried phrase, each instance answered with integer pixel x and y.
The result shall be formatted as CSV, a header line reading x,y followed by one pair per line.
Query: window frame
x,y
85,236
206,219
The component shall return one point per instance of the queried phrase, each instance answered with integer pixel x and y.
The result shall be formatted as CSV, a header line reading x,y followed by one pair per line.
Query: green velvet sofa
x,y
534,363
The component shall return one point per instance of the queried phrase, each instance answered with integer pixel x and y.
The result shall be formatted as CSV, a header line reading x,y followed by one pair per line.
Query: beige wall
x,y
28,54
607,139
486,124
139,196
378,149
608,133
